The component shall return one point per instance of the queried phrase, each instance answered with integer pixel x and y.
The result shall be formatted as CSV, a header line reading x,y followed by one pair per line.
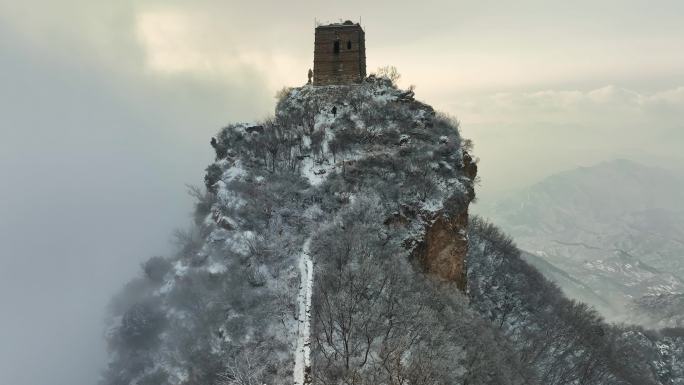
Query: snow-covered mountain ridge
x,y
280,199
329,247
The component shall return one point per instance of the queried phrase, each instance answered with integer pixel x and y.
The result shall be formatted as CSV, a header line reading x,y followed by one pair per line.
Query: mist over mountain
x,y
108,109
611,235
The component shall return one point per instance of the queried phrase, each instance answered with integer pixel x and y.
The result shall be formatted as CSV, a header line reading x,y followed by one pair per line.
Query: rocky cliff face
x,y
444,248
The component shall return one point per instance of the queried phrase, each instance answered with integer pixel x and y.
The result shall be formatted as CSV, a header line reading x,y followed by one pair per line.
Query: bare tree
x,y
246,368
389,72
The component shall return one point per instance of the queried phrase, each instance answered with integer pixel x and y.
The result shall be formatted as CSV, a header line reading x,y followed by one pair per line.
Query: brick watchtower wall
x,y
339,54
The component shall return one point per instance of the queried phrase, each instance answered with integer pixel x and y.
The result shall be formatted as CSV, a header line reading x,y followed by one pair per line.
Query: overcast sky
x,y
106,110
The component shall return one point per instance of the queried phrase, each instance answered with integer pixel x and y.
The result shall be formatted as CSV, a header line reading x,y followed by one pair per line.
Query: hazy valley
x,y
611,235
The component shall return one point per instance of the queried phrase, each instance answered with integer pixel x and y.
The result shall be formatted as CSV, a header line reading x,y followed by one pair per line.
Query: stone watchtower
x,y
339,54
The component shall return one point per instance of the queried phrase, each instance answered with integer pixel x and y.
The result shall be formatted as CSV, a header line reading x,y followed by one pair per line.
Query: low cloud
x,y
608,104
176,42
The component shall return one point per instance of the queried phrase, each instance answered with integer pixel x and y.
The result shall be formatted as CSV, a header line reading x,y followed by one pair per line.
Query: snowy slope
x,y
302,266
302,366
242,300
563,341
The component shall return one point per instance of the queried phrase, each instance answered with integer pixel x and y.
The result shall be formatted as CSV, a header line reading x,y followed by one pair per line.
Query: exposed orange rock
x,y
444,247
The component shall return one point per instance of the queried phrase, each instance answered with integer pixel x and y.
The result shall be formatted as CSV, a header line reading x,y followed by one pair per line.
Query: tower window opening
x,y
336,48
348,44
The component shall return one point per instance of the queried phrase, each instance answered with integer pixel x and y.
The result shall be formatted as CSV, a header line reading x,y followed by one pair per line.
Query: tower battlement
x,y
339,54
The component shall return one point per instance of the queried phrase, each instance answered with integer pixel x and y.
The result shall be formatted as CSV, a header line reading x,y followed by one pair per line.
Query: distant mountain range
x,y
611,235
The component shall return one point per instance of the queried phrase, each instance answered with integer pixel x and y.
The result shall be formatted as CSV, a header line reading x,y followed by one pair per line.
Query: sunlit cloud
x,y
176,41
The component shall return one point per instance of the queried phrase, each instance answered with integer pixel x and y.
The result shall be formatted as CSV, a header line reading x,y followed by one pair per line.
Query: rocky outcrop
x,y
444,247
